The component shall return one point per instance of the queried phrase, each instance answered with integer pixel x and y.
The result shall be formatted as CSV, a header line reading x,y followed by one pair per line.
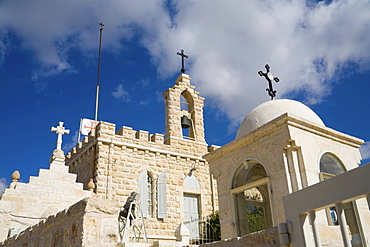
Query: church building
x,y
167,171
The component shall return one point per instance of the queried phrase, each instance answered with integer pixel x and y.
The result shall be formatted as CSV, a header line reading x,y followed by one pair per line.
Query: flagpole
x,y
79,131
98,81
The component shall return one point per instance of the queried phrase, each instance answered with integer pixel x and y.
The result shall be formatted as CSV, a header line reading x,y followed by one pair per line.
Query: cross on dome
x,y
60,130
269,77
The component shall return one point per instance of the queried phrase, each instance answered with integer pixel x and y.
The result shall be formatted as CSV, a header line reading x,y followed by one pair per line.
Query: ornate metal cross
x,y
182,59
269,77
60,131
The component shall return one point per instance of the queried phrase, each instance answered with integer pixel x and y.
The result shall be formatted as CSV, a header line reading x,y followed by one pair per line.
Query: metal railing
x,y
203,230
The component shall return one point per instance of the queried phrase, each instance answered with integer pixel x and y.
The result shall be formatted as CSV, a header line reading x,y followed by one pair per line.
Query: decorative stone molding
x,y
91,185
182,235
16,176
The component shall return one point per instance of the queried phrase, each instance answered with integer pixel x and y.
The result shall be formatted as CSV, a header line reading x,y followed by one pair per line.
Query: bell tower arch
x,y
184,112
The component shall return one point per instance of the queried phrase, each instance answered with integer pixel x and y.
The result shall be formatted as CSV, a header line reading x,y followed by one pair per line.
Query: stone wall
x,y
83,165
265,238
90,222
122,157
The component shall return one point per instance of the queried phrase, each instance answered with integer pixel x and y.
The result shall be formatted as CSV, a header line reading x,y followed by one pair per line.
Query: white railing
x,y
300,207
201,231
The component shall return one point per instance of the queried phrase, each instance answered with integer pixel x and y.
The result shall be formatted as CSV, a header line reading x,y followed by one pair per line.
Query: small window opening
x,y
330,166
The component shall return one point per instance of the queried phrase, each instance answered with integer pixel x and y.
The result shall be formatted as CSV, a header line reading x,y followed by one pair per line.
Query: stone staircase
x,y
53,190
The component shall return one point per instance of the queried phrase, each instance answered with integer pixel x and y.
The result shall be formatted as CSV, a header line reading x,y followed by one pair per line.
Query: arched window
x,y
252,200
187,109
330,166
145,187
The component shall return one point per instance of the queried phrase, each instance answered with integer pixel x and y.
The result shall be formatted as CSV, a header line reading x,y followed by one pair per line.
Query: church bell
x,y
185,122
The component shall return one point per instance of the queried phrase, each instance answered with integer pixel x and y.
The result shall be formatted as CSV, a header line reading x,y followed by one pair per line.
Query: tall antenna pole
x,y
98,82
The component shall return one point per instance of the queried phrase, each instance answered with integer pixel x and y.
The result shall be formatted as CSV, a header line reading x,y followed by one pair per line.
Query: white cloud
x,y
227,43
67,147
51,29
308,45
144,102
365,151
121,93
3,185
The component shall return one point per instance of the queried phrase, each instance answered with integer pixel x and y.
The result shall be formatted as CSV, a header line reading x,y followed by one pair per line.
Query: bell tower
x,y
184,112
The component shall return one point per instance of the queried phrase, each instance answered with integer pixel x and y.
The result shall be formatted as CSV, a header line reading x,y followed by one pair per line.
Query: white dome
x,y
270,110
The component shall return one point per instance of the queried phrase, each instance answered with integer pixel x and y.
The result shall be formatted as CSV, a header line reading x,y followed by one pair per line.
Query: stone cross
x,y
269,77
60,131
182,59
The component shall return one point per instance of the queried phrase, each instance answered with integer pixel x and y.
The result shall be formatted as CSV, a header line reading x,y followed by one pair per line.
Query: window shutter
x,y
161,196
143,191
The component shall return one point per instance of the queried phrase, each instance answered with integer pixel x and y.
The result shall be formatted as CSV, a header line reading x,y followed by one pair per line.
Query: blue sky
x,y
48,66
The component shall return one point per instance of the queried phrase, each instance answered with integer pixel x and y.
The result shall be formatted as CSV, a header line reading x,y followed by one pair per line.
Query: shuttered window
x,y
161,196
145,187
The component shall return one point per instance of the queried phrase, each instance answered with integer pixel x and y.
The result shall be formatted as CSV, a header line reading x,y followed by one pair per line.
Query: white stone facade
x,y
289,148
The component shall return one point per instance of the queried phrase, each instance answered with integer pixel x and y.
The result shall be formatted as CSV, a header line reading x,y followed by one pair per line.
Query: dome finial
x,y
269,77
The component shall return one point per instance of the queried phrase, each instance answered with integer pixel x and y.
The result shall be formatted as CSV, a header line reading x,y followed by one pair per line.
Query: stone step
x,y
60,168
67,177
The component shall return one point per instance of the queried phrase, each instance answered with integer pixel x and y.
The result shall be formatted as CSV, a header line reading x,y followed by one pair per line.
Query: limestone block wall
x,y
121,156
25,204
116,180
89,222
83,165
82,158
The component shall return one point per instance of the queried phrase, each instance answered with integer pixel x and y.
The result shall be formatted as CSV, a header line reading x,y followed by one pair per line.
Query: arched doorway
x,y
252,199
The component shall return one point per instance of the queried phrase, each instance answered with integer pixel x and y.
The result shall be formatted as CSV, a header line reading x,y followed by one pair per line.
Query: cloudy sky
x,y
48,66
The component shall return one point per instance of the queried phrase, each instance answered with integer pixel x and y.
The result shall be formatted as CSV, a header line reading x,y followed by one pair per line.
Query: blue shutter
x,y
161,196
143,191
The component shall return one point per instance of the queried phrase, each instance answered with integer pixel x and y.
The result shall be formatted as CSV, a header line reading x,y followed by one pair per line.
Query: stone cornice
x,y
273,126
325,132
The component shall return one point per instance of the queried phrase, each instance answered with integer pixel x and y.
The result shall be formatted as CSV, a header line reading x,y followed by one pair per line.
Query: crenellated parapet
x,y
142,139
